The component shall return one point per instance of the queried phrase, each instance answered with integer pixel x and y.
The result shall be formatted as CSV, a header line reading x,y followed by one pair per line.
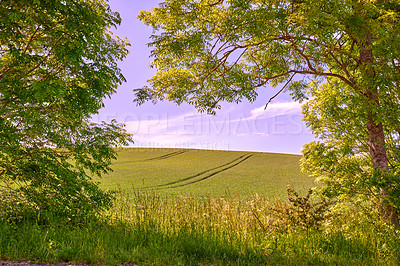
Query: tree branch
x,y
216,3
279,92
44,59
31,39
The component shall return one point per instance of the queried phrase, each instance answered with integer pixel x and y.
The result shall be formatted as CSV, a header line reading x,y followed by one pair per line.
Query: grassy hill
x,y
206,172
158,225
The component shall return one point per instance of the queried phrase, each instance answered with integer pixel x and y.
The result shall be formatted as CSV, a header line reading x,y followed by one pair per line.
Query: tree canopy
x,y
58,61
343,56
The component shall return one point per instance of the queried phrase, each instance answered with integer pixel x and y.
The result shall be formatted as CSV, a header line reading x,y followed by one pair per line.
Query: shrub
x,y
302,212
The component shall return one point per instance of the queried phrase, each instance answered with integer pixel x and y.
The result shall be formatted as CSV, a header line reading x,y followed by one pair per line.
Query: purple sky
x,y
244,126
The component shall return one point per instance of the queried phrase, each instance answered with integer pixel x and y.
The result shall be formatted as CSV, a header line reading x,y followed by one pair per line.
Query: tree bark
x,y
376,133
379,159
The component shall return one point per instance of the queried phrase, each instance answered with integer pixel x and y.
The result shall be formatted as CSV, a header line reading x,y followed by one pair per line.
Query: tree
x,y
343,55
58,62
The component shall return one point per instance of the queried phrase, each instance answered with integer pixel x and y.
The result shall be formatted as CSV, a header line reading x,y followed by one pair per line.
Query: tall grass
x,y
149,228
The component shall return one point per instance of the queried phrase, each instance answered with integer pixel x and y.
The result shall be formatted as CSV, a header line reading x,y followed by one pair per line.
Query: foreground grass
x,y
148,228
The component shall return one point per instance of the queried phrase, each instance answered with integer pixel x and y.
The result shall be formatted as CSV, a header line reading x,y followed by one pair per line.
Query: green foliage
x,y
303,212
58,61
211,51
14,208
341,159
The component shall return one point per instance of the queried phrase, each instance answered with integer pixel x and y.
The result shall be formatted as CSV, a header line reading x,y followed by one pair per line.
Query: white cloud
x,y
190,128
276,109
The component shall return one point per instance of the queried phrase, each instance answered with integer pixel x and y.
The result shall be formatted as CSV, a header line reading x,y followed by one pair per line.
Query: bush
x,y
302,212
14,207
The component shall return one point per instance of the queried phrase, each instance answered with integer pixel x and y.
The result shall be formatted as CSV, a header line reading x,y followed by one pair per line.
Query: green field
x,y
201,207
206,173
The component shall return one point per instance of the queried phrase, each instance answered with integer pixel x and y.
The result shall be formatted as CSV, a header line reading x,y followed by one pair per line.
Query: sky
x,y
236,127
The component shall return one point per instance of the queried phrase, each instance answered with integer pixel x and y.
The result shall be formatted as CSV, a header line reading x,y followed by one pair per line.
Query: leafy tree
x,y
343,55
58,60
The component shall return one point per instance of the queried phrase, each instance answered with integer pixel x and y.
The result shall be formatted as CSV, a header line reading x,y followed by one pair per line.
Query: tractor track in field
x,y
165,156
209,173
162,157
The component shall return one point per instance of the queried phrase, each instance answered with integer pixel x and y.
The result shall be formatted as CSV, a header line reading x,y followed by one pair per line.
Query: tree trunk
x,y
379,159
376,144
